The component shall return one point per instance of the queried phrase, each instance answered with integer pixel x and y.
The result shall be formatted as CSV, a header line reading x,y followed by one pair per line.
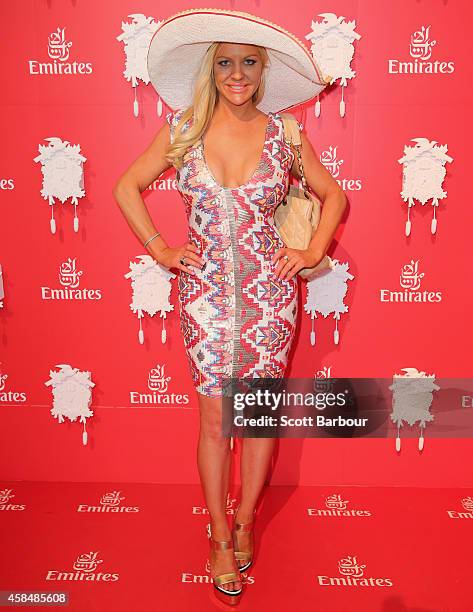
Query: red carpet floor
x,y
327,549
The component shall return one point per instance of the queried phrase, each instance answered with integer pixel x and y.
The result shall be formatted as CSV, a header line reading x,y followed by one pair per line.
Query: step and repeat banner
x,y
94,380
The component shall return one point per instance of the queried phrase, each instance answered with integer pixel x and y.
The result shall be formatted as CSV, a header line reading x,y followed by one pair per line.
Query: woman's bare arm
x,y
330,193
127,193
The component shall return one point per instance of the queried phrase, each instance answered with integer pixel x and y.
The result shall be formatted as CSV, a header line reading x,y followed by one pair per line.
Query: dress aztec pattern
x,y
237,318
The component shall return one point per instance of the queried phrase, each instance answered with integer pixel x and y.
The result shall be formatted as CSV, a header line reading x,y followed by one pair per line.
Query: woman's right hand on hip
x,y
171,258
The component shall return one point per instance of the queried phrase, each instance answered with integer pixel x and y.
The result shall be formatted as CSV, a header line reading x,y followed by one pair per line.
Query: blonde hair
x,y
205,99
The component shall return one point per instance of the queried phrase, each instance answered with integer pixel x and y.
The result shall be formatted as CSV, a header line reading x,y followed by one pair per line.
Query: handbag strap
x,y
292,136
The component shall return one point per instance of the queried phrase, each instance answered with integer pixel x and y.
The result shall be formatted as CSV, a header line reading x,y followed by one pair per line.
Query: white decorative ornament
x,y
151,290
2,290
412,399
332,47
63,175
3,378
72,395
137,38
423,173
325,294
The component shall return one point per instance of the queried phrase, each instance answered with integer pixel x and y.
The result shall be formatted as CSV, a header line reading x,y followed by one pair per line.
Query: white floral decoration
x,y
151,290
63,175
72,395
423,173
412,399
325,294
332,48
136,37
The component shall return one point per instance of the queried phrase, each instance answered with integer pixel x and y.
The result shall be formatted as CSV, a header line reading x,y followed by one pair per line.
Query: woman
x,y
237,281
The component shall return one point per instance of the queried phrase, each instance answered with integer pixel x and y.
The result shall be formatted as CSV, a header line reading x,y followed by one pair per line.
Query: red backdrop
x,y
150,443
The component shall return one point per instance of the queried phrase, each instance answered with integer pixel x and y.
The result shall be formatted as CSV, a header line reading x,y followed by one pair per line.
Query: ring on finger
x,y
183,261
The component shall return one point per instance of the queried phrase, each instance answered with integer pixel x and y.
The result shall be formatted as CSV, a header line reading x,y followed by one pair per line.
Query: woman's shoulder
x,y
173,116
289,116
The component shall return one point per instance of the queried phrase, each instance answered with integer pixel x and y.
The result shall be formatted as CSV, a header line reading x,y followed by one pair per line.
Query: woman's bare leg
x,y
213,460
255,459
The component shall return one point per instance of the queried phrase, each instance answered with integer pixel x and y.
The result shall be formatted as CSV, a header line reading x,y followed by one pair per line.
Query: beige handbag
x,y
298,215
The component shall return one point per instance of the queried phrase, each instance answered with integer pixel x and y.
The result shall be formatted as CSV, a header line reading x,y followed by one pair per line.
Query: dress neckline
x,y
257,169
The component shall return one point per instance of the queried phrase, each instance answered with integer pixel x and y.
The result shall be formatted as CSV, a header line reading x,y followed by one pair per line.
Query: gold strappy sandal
x,y
242,555
229,597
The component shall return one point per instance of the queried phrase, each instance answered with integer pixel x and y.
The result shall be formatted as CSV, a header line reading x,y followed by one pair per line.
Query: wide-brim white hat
x,y
179,44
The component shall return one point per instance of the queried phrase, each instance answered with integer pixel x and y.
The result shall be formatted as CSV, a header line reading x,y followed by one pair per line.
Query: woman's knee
x,y
211,418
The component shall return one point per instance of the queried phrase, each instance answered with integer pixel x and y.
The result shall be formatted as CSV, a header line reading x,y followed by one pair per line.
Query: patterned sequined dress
x,y
237,318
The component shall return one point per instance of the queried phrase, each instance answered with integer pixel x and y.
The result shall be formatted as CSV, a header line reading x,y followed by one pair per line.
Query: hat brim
x,y
179,44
